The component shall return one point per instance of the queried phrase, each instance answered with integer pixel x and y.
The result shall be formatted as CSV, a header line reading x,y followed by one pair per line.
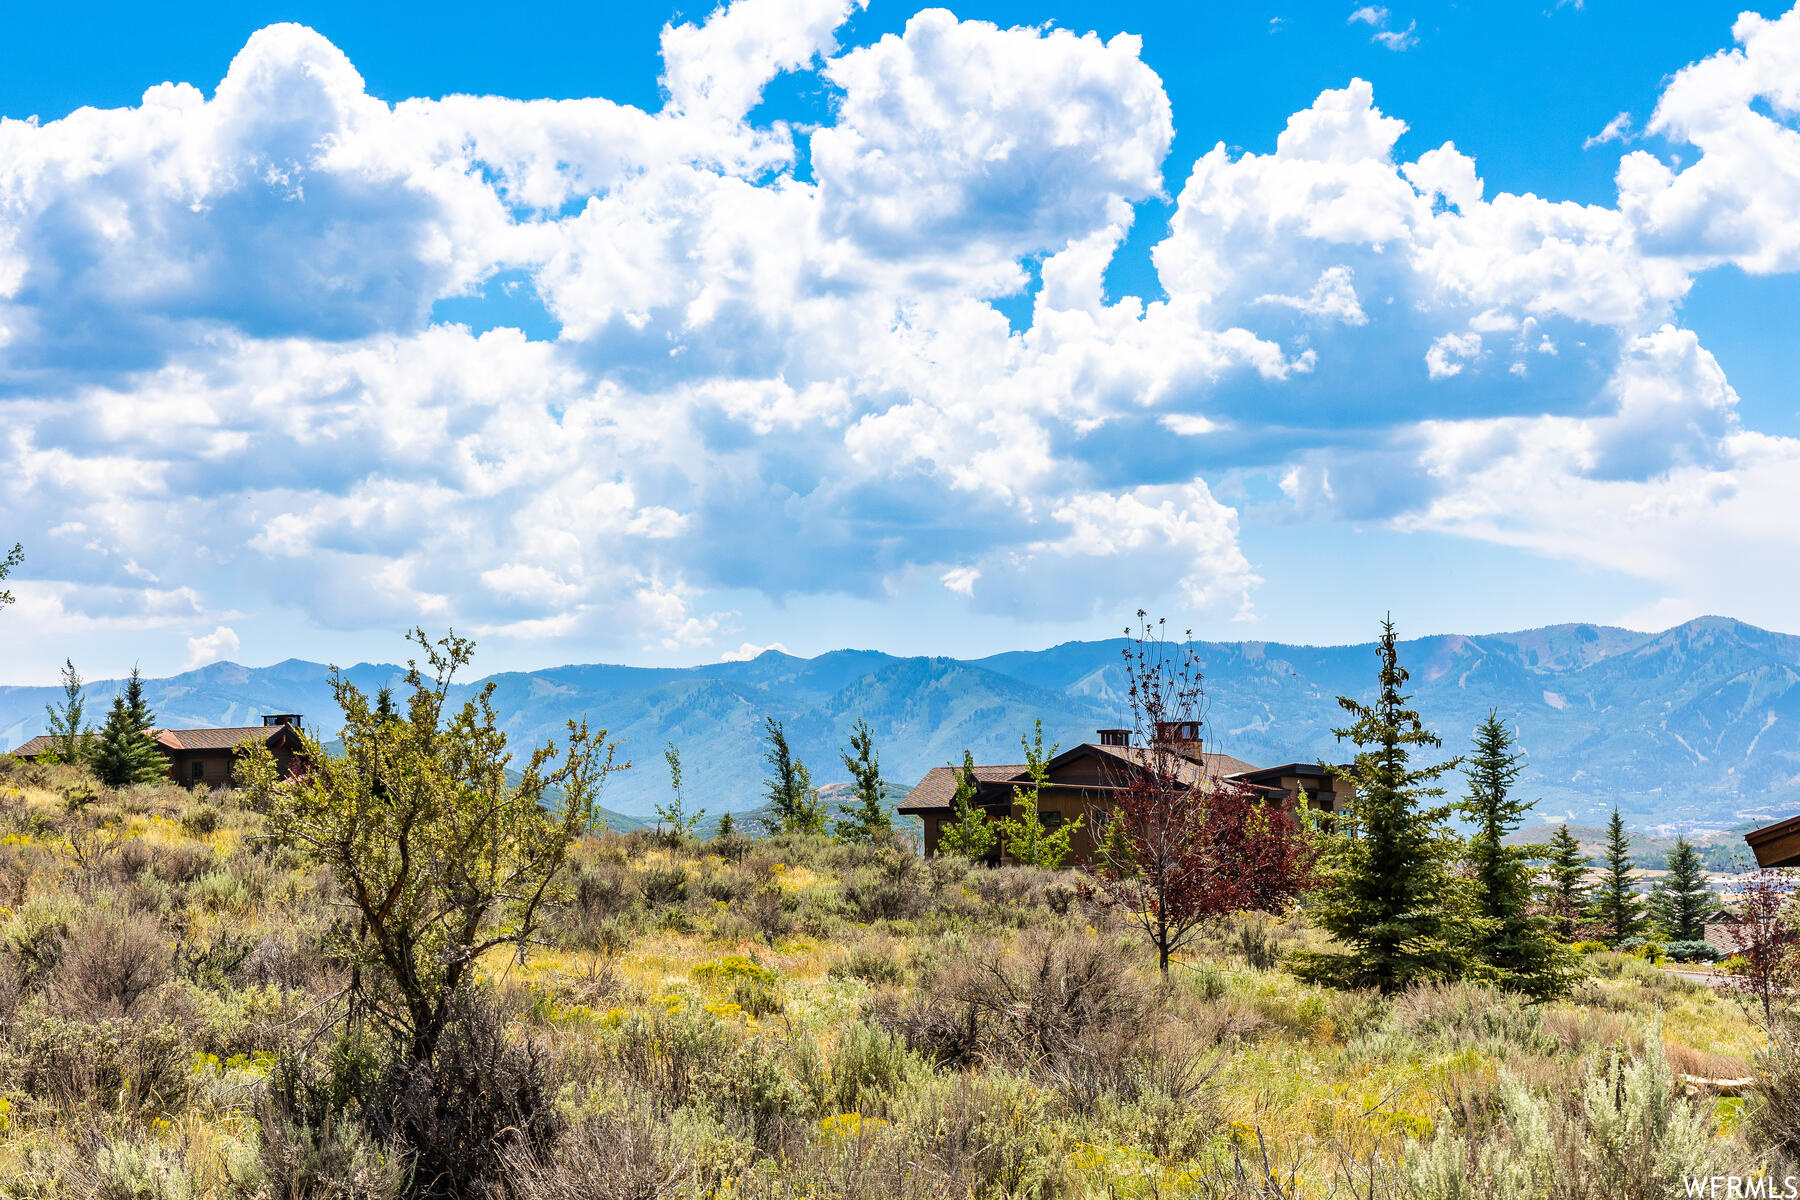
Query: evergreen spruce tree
x,y
72,736
1512,942
1682,903
124,753
866,819
1392,895
1618,906
971,834
794,804
1566,888
727,828
1026,837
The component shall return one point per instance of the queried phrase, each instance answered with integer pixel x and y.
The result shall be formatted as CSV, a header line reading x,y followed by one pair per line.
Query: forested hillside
x,y
1699,723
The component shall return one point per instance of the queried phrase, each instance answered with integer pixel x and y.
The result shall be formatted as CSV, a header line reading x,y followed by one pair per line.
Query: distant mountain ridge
x,y
1698,724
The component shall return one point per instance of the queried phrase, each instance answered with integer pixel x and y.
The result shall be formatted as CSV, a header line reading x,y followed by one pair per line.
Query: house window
x,y
1050,820
196,770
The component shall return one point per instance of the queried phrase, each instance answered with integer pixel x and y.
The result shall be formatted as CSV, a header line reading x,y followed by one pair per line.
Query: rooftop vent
x,y
1115,737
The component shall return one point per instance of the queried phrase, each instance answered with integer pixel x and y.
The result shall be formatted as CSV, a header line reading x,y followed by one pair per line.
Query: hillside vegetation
x,y
791,1017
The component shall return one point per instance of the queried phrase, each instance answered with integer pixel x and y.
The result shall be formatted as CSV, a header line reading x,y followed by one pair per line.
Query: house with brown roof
x,y
205,757
1085,780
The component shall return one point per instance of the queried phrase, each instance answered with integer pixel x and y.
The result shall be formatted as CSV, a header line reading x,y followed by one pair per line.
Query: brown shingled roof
x,y
1214,765
180,739
938,788
216,739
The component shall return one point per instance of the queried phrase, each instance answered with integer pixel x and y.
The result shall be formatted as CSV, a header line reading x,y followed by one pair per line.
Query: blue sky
x,y
656,335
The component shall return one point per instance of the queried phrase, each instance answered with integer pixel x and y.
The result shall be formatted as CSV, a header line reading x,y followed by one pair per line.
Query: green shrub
x,y
1459,1016
868,1068
201,821
222,891
35,935
662,886
896,886
78,795
870,966
734,967
108,965
1624,1126
756,996
130,1170
1260,949
1208,982
458,1115
128,1067
1694,951
313,1144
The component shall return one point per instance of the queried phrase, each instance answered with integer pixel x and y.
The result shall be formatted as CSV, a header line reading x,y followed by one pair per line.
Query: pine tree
x,y
675,814
727,828
1682,903
971,834
1392,895
1566,890
125,752
1618,905
1512,942
1025,836
867,819
794,804
73,737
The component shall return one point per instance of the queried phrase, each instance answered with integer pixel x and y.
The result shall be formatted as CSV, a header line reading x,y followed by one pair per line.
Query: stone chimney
x,y
1183,737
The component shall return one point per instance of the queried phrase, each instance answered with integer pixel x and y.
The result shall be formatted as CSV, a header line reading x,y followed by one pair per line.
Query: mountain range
x,y
1696,726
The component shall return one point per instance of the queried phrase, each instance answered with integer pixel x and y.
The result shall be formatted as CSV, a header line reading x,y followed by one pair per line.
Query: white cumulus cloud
x,y
220,644
222,359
